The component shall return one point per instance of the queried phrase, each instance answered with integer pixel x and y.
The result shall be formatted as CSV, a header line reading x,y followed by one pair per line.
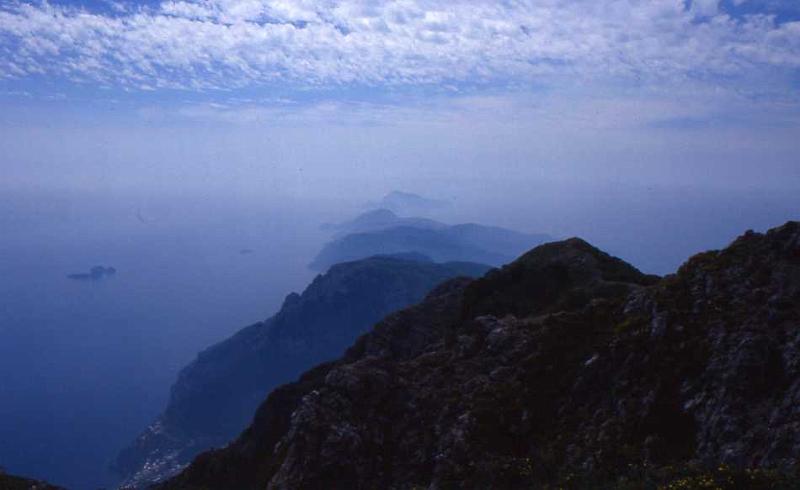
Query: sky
x,y
350,97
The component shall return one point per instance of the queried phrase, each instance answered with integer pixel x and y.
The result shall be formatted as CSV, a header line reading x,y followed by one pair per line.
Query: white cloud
x,y
571,110
207,44
705,8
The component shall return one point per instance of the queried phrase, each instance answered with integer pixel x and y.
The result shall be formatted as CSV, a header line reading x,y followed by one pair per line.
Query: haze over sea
x,y
87,364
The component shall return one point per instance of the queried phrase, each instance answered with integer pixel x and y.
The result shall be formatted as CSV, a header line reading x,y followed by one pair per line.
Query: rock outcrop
x,y
566,368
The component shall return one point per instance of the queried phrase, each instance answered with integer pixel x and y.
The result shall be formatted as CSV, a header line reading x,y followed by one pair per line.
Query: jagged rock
x,y
567,368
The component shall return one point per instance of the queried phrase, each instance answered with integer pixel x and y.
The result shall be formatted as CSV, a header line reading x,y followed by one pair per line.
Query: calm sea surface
x,y
85,365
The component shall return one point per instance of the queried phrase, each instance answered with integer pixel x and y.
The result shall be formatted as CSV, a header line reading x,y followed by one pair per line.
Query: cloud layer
x,y
224,44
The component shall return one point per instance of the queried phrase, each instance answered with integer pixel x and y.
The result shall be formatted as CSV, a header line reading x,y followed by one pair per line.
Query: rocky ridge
x,y
566,368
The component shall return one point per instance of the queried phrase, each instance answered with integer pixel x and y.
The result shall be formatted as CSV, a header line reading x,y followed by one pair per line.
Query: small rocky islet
x,y
96,273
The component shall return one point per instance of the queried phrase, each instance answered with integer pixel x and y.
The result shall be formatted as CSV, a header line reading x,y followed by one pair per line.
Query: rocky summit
x,y
567,368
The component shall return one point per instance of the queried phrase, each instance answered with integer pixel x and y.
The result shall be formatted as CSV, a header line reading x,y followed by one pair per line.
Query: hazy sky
x,y
359,97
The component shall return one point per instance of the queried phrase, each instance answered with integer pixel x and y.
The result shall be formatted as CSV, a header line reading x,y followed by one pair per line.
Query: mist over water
x,y
87,364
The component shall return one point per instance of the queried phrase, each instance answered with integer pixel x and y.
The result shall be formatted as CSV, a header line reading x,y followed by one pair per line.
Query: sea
x,y
85,365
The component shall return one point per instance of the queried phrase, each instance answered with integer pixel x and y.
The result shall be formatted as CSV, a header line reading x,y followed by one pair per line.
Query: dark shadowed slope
x,y
10,482
215,396
467,242
567,367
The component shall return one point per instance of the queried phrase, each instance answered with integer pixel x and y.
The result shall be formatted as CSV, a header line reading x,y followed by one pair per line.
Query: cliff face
x,y
216,396
567,367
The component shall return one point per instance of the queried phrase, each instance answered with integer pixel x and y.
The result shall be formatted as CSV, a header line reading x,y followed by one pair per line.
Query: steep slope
x,y
215,396
10,482
468,242
568,368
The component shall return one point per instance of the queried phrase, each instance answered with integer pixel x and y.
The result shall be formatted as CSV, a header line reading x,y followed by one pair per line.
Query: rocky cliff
x,y
568,368
216,396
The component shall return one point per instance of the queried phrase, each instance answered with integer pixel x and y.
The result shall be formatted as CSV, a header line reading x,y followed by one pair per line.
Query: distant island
x,y
95,273
383,232
408,203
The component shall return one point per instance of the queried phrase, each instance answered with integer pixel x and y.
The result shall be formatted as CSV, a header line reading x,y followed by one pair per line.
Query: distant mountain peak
x,y
365,237
408,203
379,213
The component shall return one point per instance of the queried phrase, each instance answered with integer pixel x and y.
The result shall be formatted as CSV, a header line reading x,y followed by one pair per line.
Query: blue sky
x,y
655,90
